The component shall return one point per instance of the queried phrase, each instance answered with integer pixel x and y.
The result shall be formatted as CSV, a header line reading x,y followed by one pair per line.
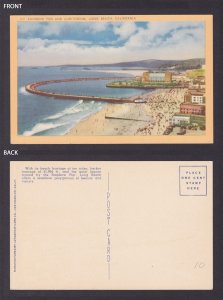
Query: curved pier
x,y
33,88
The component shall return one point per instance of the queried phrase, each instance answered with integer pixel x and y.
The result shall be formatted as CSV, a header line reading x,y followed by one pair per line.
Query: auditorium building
x,y
156,77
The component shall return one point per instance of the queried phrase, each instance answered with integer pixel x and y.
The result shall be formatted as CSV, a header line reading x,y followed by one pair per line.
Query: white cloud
x,y
57,28
33,43
27,27
160,40
97,26
124,30
53,29
37,43
161,34
69,53
160,28
64,53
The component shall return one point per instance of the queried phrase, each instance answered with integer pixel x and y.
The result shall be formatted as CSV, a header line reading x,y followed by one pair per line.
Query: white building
x,y
197,98
180,119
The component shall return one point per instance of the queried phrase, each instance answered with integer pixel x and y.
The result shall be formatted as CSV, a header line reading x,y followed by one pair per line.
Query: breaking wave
x,y
23,91
40,127
80,106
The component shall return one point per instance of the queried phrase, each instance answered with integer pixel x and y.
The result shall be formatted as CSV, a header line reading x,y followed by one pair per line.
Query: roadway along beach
x,y
150,118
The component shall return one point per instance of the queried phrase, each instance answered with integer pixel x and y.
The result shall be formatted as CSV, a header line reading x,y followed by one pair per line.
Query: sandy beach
x,y
150,118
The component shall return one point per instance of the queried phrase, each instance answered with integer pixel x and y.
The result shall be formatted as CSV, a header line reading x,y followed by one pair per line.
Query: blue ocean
x,y
38,115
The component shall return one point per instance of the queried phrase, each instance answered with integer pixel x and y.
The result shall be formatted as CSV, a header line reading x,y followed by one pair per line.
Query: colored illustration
x,y
111,78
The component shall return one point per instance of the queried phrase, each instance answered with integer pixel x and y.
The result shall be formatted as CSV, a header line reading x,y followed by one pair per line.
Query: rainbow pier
x,y
34,89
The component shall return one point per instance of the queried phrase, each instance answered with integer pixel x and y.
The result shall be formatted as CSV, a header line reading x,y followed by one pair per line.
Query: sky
x,y
58,43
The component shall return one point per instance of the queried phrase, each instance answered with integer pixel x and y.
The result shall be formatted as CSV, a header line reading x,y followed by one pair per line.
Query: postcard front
x,y
111,79
111,225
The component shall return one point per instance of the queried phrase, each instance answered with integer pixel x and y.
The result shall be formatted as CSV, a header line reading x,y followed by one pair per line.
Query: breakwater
x,y
34,89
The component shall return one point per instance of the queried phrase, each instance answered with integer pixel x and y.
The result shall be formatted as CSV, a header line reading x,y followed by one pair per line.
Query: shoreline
x,y
150,118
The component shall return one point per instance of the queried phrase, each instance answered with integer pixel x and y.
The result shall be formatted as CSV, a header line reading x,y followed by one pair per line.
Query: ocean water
x,y
38,115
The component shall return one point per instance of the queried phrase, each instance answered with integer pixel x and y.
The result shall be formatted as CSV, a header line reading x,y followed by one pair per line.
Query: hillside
x,y
151,64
